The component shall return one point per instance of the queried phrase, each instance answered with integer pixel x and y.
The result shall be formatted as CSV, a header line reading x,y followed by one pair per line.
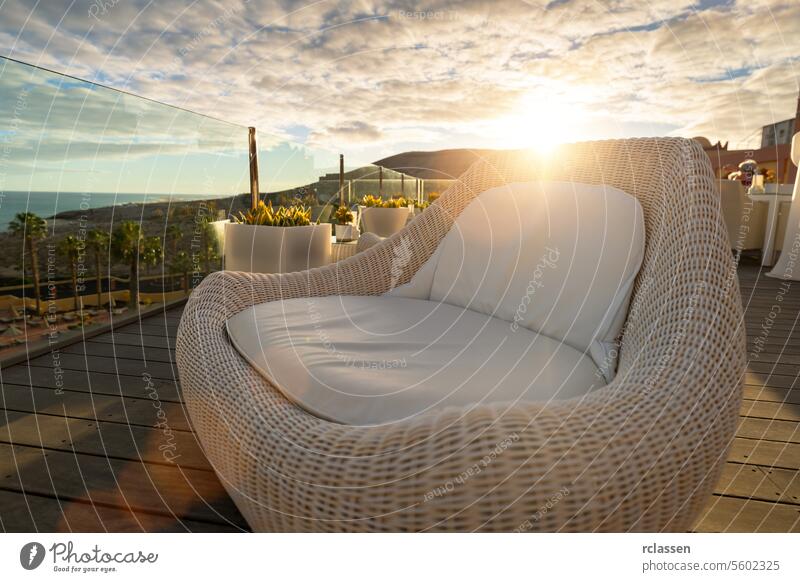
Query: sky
x,y
370,79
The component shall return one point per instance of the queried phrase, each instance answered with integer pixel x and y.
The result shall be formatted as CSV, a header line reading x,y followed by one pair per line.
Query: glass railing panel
x,y
432,188
82,165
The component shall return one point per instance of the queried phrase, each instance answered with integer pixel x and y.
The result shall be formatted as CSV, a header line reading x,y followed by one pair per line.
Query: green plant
x,y
129,245
182,263
395,203
371,201
98,241
209,250
265,215
343,215
72,248
173,235
421,205
31,228
432,197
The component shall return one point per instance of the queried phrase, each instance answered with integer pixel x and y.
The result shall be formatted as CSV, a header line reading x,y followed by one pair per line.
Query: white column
x,y
788,266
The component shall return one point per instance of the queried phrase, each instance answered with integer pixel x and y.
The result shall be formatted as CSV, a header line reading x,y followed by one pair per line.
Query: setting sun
x,y
540,124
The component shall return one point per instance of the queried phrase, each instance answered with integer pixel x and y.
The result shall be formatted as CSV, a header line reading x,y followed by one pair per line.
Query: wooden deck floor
x,y
99,456
93,458
760,489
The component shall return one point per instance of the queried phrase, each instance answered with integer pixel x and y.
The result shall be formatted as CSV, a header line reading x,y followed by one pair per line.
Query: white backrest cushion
x,y
558,258
419,287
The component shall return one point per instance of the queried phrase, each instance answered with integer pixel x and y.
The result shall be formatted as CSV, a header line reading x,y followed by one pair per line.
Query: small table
x,y
342,250
774,196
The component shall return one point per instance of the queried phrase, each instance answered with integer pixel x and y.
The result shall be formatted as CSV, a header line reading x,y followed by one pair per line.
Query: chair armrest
x,y
367,240
223,294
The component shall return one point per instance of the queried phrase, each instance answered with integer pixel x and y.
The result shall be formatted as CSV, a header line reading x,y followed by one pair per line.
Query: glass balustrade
x,y
110,200
103,194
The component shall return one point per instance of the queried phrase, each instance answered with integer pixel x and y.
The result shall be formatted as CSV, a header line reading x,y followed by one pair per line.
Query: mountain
x,y
441,164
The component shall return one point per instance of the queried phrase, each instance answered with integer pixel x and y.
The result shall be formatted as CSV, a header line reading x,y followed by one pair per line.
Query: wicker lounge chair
x,y
641,454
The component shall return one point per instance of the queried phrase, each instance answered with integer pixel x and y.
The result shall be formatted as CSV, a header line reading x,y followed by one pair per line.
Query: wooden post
x,y
254,192
402,185
341,179
380,181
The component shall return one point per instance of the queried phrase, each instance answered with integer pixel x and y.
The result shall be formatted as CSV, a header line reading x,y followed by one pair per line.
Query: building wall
x,y
777,133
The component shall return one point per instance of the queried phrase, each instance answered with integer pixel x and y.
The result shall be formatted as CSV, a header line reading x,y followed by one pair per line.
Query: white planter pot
x,y
276,249
346,232
384,221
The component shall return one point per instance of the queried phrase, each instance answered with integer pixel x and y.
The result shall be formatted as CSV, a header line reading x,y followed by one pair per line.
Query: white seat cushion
x,y
558,258
373,360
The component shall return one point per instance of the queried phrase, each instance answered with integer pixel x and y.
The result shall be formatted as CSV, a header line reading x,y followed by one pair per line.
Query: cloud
x,y
355,132
370,78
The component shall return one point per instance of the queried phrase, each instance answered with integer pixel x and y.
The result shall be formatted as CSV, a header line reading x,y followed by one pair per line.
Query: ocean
x,y
47,204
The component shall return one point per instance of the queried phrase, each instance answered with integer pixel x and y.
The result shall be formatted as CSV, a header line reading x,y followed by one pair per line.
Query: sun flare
x,y
541,124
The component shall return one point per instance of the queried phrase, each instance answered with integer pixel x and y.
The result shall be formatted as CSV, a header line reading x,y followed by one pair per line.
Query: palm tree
x,y
72,248
174,235
128,244
208,245
31,228
208,249
98,240
182,263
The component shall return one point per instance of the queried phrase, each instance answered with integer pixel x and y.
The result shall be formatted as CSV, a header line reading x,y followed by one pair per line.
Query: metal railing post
x,y
341,179
254,192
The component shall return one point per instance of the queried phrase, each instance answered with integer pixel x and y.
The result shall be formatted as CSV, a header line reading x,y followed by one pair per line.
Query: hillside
x,y
441,164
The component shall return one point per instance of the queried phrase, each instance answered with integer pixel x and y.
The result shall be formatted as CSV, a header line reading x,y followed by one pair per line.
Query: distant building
x,y
777,133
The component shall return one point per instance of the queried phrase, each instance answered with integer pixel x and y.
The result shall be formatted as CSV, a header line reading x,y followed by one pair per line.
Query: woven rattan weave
x,y
641,454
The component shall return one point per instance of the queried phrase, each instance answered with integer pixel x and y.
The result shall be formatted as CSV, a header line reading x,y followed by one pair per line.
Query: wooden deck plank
x,y
771,394
773,430
118,366
147,327
109,350
771,410
787,482
777,358
789,370
747,481
765,453
95,382
733,514
147,488
133,339
777,347
109,439
772,380
140,411
33,513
